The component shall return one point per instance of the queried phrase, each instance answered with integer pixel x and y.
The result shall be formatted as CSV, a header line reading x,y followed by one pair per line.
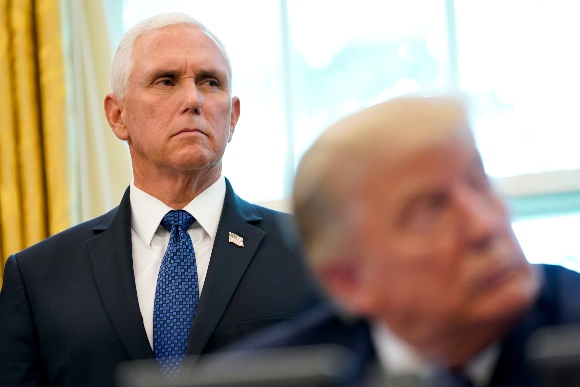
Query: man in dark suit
x,y
408,237
79,303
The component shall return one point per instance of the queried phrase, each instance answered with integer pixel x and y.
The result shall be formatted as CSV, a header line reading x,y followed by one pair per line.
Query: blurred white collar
x,y
397,357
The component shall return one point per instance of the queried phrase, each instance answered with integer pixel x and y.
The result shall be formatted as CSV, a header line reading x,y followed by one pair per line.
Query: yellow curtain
x,y
33,148
100,166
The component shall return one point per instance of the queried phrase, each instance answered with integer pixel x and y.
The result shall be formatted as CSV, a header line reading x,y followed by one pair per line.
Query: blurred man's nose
x,y
482,216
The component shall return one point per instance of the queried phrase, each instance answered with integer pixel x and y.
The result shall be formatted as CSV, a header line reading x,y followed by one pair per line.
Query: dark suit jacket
x,y
559,303
69,312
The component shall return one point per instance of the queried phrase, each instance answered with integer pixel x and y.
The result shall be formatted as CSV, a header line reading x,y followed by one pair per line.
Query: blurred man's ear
x,y
113,112
343,280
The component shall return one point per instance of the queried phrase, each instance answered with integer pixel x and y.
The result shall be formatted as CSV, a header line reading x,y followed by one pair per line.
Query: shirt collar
x,y
398,357
148,211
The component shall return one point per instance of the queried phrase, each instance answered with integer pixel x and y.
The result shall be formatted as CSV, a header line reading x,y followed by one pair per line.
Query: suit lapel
x,y
112,262
227,265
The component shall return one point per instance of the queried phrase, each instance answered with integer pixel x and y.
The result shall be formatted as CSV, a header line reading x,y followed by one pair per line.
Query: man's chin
x,y
196,162
513,297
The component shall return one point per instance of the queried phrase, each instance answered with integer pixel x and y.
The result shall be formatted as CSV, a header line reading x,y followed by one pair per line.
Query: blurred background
x,y
298,66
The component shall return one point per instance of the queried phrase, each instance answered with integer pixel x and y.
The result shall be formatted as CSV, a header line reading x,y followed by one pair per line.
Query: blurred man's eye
x,y
425,212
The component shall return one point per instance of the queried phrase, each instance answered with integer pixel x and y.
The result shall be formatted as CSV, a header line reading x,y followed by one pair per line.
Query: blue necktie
x,y
176,294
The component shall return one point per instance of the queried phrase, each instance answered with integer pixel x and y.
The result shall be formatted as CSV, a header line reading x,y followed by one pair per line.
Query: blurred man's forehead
x,y
396,126
397,179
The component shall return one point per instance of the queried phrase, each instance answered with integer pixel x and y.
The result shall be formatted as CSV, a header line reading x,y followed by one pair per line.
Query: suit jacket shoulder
x,y
53,249
558,303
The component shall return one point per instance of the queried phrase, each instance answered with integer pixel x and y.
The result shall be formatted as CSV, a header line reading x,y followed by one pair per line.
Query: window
x,y
301,65
518,60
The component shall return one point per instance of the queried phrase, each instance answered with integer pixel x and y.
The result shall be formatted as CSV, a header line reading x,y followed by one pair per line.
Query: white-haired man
x,y
183,266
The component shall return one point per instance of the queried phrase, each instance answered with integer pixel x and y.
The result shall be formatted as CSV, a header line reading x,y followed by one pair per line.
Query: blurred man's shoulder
x,y
561,287
322,324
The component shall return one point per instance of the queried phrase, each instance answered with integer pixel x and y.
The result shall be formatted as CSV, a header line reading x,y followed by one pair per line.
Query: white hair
x,y
122,62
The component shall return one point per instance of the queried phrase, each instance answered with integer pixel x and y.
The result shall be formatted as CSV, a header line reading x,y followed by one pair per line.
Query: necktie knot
x,y
179,218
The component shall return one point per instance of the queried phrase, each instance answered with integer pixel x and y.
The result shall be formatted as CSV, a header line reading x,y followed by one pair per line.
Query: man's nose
x,y
192,98
483,215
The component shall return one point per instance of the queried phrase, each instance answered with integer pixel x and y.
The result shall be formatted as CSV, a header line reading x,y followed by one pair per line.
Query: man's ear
x,y
113,111
234,116
344,281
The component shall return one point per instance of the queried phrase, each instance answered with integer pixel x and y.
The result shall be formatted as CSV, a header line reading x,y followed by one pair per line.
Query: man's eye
x,y
425,213
212,83
165,82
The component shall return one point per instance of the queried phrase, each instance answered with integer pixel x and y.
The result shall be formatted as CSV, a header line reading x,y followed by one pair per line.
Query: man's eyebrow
x,y
219,75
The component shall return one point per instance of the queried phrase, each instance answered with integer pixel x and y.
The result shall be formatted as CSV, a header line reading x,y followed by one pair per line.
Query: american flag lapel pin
x,y
236,239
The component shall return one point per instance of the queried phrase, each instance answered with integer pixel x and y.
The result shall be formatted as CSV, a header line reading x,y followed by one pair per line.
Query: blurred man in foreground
x,y
406,234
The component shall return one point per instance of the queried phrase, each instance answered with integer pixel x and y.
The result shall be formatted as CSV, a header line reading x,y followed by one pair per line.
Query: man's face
x,y
439,252
178,111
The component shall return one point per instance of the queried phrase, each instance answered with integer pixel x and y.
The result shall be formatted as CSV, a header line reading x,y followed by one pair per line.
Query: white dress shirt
x,y
149,240
397,357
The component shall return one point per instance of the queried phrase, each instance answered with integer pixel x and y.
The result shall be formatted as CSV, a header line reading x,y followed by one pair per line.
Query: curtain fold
x,y
99,162
33,146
